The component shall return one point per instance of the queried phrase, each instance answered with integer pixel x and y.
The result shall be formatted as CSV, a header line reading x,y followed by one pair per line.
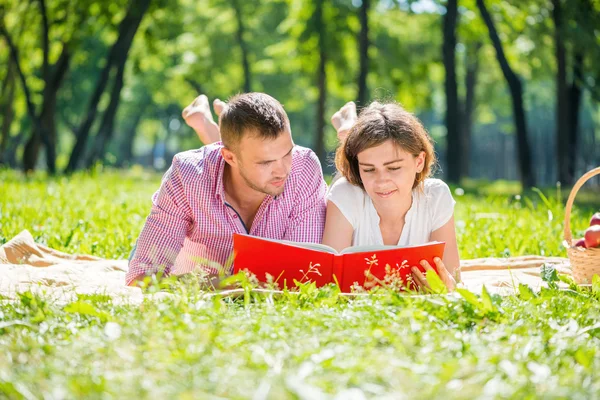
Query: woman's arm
x,y
338,231
451,259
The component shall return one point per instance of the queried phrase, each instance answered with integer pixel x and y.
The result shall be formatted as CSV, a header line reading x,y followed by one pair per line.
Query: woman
x,y
385,195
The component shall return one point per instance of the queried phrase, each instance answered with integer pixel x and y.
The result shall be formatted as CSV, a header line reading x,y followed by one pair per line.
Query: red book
x,y
289,261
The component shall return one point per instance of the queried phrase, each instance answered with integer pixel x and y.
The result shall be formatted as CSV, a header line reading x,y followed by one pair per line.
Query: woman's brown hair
x,y
377,124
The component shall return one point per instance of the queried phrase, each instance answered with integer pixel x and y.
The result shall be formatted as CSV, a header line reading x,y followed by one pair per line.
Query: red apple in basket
x,y
580,243
592,236
595,219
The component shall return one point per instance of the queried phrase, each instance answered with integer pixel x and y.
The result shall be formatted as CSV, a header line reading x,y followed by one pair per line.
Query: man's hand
x,y
344,119
198,116
140,281
443,273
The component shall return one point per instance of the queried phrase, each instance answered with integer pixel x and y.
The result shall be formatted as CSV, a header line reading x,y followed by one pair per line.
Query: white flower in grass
x,y
112,330
350,394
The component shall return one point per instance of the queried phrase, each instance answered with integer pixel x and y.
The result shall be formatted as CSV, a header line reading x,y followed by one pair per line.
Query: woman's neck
x,y
393,212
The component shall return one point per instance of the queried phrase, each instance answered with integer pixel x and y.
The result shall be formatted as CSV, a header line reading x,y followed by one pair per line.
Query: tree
x,y
562,99
569,90
454,153
466,132
116,59
319,146
363,53
516,91
7,95
239,16
44,124
107,125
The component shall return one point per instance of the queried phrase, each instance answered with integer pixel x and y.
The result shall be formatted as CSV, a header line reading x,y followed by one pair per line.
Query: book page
x,y
360,249
311,246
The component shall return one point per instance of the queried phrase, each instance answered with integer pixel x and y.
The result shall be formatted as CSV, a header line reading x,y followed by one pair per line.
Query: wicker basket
x,y
584,262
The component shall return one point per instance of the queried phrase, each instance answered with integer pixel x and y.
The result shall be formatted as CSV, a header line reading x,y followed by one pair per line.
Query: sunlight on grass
x,y
103,215
311,344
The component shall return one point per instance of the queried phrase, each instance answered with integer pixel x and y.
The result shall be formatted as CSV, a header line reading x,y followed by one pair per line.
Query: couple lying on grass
x,y
251,178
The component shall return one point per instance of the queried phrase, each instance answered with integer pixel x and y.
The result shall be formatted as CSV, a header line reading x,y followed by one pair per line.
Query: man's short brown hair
x,y
255,113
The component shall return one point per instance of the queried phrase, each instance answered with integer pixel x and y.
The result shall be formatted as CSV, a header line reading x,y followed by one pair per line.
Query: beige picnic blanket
x,y
27,265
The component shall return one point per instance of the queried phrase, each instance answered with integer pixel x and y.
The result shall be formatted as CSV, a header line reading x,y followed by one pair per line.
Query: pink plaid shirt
x,y
190,224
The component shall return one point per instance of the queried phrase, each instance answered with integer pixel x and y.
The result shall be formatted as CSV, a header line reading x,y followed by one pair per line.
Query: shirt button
x,y
235,216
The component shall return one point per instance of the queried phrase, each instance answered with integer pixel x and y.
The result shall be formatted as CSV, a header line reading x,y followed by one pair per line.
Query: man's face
x,y
265,164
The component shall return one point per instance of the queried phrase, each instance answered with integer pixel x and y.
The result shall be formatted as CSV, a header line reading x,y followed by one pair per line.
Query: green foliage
x,y
306,343
185,47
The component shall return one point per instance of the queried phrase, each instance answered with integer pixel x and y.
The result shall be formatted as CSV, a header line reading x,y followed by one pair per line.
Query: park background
x,y
91,94
508,90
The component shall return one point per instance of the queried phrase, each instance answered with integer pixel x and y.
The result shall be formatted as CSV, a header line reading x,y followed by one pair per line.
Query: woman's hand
x,y
421,281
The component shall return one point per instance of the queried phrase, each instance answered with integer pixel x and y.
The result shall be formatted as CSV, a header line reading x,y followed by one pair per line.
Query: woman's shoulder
x,y
434,187
348,198
344,194
438,202
342,187
435,194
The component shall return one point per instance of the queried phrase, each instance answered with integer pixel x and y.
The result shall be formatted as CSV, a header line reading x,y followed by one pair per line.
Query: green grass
x,y
315,344
103,214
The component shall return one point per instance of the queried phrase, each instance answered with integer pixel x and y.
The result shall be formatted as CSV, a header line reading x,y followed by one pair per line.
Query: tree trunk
x,y
127,31
46,118
363,51
454,155
243,45
321,83
7,97
126,149
44,126
574,93
106,129
38,128
516,91
11,151
562,98
56,75
472,65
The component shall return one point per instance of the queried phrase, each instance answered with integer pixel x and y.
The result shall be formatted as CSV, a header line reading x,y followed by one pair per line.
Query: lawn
x,y
315,344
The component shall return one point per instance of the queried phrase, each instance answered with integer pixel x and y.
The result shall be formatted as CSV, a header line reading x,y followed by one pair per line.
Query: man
x,y
256,181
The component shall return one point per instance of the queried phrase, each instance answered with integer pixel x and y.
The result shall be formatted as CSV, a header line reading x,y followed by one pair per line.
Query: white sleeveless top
x,y
430,210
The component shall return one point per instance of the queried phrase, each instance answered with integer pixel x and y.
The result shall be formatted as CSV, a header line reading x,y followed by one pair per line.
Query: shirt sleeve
x,y
165,229
347,198
441,204
307,219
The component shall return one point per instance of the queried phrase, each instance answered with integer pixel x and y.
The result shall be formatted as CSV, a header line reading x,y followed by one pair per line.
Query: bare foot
x,y
198,116
344,119
219,106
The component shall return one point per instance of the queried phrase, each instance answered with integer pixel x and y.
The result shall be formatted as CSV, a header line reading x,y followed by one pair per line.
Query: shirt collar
x,y
220,185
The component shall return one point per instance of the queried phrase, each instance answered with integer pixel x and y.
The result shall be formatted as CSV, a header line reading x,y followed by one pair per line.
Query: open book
x,y
361,265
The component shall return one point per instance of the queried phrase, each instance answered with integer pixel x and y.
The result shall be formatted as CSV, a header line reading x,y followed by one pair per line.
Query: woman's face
x,y
388,172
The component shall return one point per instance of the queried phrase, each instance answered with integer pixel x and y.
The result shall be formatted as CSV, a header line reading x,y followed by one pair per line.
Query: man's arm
x,y
165,230
308,217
